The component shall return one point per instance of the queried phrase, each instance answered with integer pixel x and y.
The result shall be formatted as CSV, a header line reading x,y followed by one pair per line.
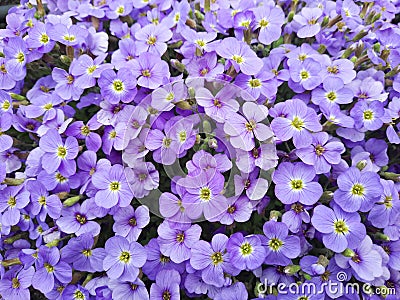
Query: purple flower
x,y
308,22
322,153
80,253
239,210
143,178
6,141
150,70
6,79
357,190
78,219
294,183
298,122
219,106
75,291
332,93
270,20
340,229
48,268
294,217
69,36
117,87
242,130
176,240
15,283
204,195
236,291
366,262
280,248
123,259
213,260
246,252
387,210
166,286
157,262
112,187
124,55
58,155
43,204
152,38
305,74
66,87
39,38
339,68
12,200
254,186
16,54
368,116
130,222
124,290
164,147
239,55
86,70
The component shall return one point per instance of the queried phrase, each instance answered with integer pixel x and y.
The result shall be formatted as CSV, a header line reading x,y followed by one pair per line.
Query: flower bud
x,y
348,252
361,164
292,269
71,201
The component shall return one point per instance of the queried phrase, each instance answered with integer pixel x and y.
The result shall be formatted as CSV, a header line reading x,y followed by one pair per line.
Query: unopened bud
x,y
213,143
71,201
207,126
290,16
274,215
361,164
199,15
65,59
348,253
292,269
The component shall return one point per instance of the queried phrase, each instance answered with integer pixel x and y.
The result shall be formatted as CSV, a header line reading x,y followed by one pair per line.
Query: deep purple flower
x,y
340,229
130,222
123,259
176,240
78,219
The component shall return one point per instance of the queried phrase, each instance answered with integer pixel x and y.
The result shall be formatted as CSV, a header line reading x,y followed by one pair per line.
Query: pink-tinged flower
x,y
150,70
240,55
243,130
152,38
298,122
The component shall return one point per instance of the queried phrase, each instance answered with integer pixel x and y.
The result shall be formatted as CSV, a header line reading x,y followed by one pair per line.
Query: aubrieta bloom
x,y
294,183
280,247
298,123
15,283
176,240
112,187
120,87
150,70
240,55
166,286
243,130
50,267
58,155
308,22
12,200
213,260
357,190
129,222
340,229
246,252
123,259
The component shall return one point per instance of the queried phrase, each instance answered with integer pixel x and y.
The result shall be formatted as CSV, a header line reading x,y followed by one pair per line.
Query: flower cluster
x,y
178,149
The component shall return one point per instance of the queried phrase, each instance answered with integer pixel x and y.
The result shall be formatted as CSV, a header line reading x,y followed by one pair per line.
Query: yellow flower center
x,y
61,151
205,194
15,283
81,219
180,237
296,184
217,258
146,73
331,96
12,201
246,249
49,267
20,57
125,257
42,200
118,85
85,130
340,227
297,123
275,244
319,150
115,186
44,38
368,115
357,189
238,59
151,40
254,83
263,23
87,252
